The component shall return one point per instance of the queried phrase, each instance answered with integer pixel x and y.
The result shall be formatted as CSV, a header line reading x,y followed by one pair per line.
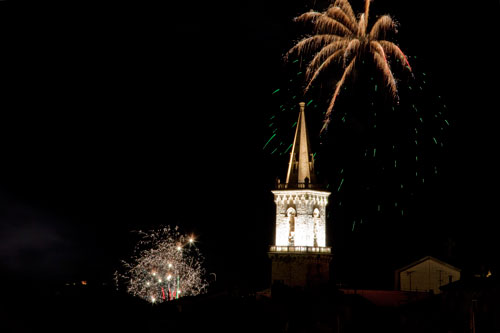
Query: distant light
x,y
159,280
153,299
169,277
84,283
147,284
178,248
169,265
154,273
191,240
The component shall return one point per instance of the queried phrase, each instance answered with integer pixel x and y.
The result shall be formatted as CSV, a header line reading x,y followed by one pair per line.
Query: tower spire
x,y
301,166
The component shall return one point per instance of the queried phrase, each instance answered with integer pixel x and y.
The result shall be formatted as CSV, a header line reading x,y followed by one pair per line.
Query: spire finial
x,y
302,106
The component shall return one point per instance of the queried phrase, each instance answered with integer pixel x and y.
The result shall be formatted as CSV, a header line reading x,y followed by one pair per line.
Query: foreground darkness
x,y
94,308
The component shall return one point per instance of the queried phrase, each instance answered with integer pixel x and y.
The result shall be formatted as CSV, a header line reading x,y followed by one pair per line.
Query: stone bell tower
x,y
300,257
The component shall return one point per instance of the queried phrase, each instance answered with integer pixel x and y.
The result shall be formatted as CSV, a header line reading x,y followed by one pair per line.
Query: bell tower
x,y
300,257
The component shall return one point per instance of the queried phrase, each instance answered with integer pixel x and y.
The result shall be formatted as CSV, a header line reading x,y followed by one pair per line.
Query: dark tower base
x,y
304,270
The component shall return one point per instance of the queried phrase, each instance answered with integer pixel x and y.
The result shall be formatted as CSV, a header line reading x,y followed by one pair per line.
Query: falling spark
x,y
341,182
268,141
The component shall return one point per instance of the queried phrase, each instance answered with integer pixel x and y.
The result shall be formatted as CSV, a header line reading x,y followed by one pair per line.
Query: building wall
x,y
300,270
426,276
307,209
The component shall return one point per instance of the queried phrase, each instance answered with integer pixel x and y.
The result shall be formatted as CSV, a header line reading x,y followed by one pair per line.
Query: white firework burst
x,y
165,265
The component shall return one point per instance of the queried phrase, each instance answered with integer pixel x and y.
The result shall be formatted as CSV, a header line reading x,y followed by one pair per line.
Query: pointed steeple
x,y
301,166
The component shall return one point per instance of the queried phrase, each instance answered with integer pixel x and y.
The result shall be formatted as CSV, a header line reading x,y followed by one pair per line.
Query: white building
x,y
427,274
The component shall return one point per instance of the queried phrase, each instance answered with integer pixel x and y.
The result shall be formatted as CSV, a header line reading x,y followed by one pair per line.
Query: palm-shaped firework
x,y
340,37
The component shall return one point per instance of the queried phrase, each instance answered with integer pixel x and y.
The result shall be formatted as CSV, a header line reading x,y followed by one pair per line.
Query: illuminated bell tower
x,y
300,257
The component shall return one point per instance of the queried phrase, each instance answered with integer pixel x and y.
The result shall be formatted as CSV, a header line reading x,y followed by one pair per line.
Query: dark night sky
x,y
124,116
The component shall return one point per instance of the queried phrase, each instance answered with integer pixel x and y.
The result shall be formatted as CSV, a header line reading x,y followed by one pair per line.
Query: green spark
x,y
295,123
274,92
295,61
309,102
290,146
274,151
353,224
435,141
374,151
341,182
447,123
375,87
272,137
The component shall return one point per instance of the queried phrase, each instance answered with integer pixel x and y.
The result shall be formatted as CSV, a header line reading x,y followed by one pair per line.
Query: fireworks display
x,y
341,38
165,266
384,144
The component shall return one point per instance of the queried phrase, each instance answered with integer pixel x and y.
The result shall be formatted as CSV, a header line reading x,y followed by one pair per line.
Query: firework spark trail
x,y
165,265
337,34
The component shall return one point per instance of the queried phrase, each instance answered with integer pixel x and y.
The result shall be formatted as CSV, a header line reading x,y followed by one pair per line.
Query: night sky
x,y
121,117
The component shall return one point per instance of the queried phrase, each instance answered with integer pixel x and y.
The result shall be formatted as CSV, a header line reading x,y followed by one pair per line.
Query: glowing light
x,y
158,254
295,229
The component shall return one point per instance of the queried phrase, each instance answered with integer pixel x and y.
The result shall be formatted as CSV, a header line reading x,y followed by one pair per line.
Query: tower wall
x,y
300,217
300,270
